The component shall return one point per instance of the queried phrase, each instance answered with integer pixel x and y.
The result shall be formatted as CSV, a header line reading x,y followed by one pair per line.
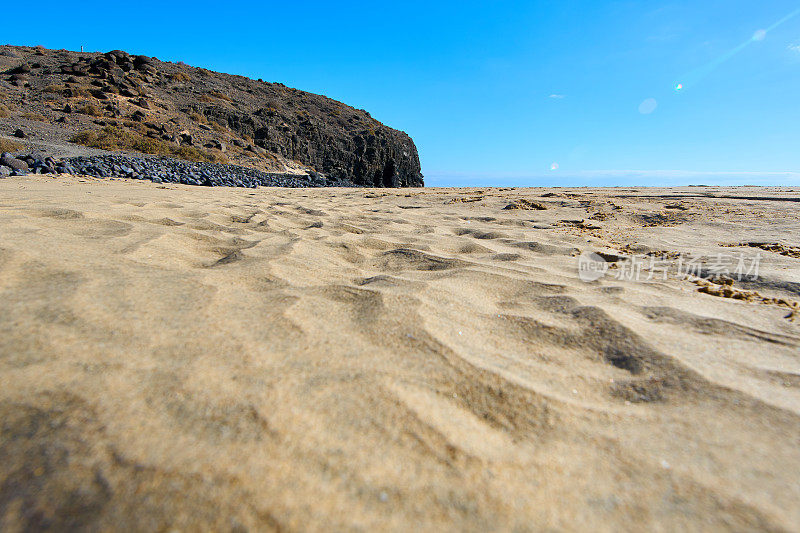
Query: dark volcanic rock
x,y
283,126
13,163
140,62
166,170
379,157
21,69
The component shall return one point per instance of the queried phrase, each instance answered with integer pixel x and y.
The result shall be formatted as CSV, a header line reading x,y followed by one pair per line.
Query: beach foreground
x,y
235,359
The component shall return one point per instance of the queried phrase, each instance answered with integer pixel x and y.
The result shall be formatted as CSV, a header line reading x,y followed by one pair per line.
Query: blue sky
x,y
495,93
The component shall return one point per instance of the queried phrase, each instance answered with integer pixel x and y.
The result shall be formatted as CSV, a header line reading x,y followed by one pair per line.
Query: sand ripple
x,y
225,359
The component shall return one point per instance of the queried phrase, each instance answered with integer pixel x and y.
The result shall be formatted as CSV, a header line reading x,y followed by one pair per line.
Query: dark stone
x,y
141,61
215,143
21,69
185,138
19,134
15,164
118,56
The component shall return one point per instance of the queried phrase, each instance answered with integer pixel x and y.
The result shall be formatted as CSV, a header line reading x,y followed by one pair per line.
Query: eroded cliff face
x,y
355,147
252,123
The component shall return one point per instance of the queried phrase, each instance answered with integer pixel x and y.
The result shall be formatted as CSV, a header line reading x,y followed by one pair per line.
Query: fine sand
x,y
184,358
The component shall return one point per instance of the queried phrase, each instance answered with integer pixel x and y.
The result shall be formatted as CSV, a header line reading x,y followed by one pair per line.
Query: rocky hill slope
x,y
117,101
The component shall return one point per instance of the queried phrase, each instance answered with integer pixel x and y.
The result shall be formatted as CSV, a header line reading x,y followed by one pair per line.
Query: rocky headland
x,y
61,105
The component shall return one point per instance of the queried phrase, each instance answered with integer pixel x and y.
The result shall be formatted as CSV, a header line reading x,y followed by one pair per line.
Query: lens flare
x,y
648,106
679,87
693,77
553,166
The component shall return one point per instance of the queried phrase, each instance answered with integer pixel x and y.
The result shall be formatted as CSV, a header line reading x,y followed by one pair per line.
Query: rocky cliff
x,y
58,94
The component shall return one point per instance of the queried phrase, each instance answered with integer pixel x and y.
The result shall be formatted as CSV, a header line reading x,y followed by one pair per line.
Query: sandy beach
x,y
192,358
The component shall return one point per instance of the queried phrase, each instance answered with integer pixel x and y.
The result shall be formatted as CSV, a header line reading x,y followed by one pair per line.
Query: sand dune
x,y
232,359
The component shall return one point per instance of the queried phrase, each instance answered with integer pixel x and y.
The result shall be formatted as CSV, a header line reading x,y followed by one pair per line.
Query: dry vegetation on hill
x,y
183,111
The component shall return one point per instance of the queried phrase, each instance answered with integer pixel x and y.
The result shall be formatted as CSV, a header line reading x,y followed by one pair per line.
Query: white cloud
x,y
558,96
794,48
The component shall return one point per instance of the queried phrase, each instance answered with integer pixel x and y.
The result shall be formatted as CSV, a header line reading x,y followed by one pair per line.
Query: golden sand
x,y
176,357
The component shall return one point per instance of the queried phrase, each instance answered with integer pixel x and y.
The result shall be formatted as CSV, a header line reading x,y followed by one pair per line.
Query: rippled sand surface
x,y
229,359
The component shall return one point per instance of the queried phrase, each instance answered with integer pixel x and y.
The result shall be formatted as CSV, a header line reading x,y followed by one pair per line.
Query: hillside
x,y
63,101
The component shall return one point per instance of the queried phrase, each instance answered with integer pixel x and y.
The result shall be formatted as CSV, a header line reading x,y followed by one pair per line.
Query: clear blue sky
x,y
494,93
